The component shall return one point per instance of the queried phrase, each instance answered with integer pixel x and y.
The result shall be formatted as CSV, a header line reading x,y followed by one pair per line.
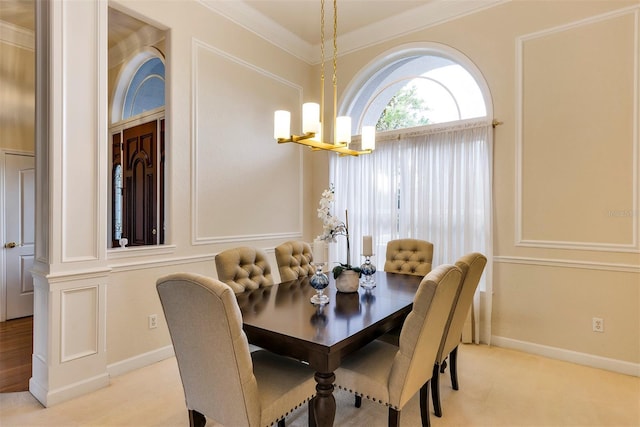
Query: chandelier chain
x,y
313,133
322,39
335,42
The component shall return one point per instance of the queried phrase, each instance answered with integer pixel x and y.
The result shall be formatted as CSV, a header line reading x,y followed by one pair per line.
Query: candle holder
x,y
319,281
368,270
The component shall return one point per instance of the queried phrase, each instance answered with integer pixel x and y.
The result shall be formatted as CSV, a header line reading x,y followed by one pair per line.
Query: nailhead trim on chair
x,y
291,410
373,399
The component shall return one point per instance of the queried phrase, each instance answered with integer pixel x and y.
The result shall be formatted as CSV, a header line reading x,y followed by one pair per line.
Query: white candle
x,y
343,130
310,117
318,252
368,138
281,124
367,245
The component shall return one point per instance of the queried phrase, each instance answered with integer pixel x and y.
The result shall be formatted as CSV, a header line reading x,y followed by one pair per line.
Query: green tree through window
x,y
405,109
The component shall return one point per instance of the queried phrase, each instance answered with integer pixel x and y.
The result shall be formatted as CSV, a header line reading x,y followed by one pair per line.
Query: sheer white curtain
x,y
432,184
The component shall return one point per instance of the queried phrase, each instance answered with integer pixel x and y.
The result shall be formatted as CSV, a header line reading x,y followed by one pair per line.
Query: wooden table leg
x,y
322,411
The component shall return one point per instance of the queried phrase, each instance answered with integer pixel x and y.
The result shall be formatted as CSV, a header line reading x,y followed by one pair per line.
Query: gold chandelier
x,y
313,114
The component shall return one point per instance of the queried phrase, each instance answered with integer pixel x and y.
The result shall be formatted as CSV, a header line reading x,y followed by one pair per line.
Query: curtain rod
x,y
396,135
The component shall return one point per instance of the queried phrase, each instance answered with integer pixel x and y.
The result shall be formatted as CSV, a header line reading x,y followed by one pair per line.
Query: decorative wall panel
x,y
79,318
82,132
578,155
245,186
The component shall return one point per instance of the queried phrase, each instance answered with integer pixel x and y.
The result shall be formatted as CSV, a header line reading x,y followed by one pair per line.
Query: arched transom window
x,y
427,86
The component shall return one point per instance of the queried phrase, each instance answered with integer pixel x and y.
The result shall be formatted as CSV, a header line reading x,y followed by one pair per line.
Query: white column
x,y
70,274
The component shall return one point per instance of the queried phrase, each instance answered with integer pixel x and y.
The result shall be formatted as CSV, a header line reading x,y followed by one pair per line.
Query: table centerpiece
x,y
347,276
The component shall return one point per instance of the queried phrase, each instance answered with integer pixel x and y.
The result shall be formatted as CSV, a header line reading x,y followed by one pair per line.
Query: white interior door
x,y
18,250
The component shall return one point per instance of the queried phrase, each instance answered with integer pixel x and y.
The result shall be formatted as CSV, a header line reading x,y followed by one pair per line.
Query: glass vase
x,y
319,281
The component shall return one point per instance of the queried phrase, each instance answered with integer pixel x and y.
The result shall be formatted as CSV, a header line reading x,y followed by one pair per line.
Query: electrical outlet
x,y
153,321
598,324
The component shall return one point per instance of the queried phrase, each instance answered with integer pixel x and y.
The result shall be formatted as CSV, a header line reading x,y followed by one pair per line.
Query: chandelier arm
x,y
317,145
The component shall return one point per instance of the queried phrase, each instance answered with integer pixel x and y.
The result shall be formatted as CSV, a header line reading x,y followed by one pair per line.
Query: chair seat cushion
x,y
366,372
278,390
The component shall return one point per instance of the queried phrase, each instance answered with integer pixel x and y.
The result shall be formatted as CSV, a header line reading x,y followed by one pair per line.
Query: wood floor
x,y
16,347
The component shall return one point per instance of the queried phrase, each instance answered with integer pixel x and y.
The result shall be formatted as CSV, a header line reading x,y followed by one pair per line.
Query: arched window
x,y
146,89
445,83
140,86
429,177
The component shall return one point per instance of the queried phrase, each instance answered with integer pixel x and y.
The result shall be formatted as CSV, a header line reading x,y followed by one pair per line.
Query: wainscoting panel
x,y
79,317
245,185
578,157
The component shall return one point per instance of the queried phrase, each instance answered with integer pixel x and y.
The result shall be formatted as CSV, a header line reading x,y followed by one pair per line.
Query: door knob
x,y
10,245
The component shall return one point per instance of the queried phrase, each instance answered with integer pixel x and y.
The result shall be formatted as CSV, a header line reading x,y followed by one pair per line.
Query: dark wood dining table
x,y
282,319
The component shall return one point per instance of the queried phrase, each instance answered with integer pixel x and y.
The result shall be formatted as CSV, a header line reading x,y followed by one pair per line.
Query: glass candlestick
x,y
319,281
368,270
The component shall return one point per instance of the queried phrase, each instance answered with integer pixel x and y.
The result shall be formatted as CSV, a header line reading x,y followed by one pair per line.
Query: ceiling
x,y
302,17
294,25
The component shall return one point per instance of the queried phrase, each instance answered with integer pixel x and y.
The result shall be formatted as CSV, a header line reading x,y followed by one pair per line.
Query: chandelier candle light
x,y
313,113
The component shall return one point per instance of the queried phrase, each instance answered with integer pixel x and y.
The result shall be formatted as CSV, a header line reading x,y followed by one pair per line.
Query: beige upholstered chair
x,y
244,268
409,256
221,379
294,260
472,265
392,374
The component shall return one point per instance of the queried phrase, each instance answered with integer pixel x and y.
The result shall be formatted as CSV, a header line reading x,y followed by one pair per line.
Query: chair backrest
x,y
409,256
472,265
211,348
422,333
294,260
244,268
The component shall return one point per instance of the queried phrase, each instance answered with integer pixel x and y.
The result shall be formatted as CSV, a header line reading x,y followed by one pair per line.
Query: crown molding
x,y
262,26
433,13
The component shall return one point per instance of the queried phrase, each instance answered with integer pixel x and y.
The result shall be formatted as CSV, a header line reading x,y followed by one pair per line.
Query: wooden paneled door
x,y
141,156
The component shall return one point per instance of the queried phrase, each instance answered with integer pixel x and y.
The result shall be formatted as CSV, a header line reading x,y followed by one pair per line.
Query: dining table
x,y
282,319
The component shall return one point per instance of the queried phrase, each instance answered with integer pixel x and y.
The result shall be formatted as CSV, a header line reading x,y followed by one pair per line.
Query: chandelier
x,y
313,113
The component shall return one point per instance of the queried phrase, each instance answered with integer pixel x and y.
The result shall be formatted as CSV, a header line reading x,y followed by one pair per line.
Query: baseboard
x,y
52,397
140,361
585,359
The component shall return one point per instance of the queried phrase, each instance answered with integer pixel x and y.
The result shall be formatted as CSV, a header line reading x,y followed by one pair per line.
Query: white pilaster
x,y
70,273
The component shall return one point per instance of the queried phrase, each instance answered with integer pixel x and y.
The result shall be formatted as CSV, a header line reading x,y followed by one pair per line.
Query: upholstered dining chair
x,y
472,265
391,374
244,268
409,256
294,260
221,379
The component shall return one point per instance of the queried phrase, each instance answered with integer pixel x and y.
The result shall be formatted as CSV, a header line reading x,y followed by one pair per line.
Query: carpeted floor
x,y
498,387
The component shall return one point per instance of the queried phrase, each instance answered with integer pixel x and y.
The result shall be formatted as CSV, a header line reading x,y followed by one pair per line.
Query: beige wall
x,y
566,216
17,97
